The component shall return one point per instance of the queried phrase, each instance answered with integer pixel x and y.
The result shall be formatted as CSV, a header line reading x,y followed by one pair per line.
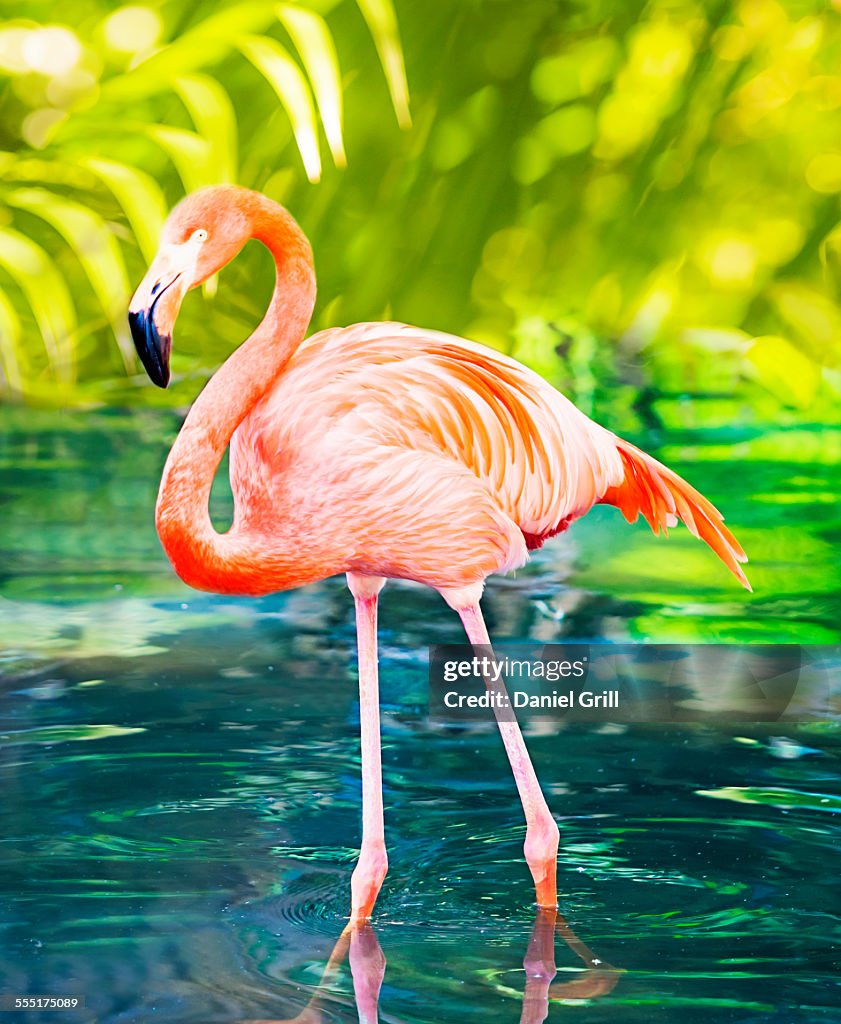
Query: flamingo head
x,y
203,233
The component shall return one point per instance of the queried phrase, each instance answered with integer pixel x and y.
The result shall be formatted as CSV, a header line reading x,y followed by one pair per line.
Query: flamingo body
x,y
405,453
393,451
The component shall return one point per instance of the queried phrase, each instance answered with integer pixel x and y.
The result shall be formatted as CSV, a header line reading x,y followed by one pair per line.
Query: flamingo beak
x,y
154,308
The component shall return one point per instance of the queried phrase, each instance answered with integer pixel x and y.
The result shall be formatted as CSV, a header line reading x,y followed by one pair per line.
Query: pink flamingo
x,y
380,451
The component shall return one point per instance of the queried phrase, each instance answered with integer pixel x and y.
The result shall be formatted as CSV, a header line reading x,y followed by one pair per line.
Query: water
x,y
180,772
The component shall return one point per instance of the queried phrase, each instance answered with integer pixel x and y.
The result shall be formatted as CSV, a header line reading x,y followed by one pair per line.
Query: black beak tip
x,y
163,380
152,347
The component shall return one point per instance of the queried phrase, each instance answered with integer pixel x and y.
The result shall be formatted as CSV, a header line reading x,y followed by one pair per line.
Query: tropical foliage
x,y
108,120
643,196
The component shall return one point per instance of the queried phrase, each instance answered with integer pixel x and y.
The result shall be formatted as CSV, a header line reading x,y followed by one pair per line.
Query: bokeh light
x,y
132,29
52,50
662,181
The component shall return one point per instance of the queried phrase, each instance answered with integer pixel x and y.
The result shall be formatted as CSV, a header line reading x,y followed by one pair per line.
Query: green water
x,y
180,772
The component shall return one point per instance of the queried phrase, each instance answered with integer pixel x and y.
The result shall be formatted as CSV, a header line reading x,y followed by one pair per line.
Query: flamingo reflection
x,y
359,945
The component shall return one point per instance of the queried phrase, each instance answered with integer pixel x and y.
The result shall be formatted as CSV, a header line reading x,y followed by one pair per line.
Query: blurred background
x,y
641,201
634,199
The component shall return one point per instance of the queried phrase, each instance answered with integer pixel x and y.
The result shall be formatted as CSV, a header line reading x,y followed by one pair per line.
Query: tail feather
x,y
663,498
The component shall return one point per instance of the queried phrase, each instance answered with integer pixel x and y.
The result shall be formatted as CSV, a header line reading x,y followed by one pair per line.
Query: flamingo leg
x,y
372,866
542,835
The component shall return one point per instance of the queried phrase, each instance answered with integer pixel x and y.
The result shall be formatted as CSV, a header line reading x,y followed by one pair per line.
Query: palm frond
x,y
382,22
34,272
96,248
12,357
199,47
191,154
293,91
133,146
213,114
312,39
138,194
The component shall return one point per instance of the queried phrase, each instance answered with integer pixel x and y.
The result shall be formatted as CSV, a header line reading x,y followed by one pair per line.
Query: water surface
x,y
180,772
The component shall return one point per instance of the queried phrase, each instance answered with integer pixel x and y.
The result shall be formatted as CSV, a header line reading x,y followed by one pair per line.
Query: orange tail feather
x,y
663,497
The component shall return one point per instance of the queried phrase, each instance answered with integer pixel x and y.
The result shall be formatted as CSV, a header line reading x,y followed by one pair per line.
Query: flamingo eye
x,y
199,235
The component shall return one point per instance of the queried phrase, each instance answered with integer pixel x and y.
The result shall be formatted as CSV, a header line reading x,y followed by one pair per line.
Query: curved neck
x,y
202,557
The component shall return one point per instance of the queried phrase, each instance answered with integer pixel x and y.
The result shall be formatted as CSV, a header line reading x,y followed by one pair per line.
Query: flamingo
x,y
381,451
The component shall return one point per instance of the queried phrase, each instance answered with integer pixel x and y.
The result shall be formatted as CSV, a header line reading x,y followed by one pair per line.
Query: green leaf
x,y
288,81
207,43
191,154
45,291
97,250
213,115
11,351
314,43
26,168
140,197
382,22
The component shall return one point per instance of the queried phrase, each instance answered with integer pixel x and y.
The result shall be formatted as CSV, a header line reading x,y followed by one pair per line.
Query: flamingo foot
x,y
541,850
366,881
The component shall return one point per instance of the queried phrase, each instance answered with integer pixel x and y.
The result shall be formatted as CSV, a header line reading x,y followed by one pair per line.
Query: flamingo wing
x,y
450,424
